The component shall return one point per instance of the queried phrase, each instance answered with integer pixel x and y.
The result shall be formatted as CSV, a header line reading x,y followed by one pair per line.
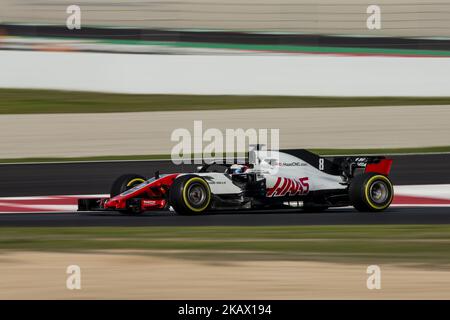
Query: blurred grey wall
x,y
418,18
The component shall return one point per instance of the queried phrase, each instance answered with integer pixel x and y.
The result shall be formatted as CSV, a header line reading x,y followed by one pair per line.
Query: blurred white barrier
x,y
313,75
436,191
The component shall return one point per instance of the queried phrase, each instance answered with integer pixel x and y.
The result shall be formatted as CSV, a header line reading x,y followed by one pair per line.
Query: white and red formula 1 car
x,y
271,180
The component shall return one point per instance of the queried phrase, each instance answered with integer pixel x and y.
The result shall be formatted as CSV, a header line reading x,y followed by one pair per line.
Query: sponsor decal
x,y
211,180
361,162
289,164
287,186
146,202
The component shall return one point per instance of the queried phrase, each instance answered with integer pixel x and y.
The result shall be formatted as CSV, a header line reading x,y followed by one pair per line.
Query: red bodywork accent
x,y
153,195
272,190
382,167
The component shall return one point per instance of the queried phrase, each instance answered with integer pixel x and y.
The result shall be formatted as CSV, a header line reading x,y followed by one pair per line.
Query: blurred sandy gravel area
x,y
97,134
122,275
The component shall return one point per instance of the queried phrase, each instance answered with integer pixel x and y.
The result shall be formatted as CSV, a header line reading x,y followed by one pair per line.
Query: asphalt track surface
x,y
96,177
394,215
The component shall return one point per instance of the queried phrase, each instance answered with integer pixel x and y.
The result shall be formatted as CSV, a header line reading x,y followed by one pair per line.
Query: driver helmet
x,y
238,169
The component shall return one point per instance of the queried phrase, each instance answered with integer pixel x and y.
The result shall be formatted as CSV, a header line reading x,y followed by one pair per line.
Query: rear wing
x,y
383,166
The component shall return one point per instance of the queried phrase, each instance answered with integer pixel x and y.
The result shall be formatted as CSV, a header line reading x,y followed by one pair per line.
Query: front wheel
x,y
126,182
371,192
190,195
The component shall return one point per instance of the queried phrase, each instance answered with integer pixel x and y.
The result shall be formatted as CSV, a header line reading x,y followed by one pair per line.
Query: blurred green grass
x,y
413,244
22,101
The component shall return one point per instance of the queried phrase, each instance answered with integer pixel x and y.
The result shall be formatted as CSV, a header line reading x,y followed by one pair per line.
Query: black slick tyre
x,y
190,195
371,192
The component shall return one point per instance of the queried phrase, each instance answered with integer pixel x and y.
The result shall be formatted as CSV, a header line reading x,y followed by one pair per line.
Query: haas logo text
x,y
287,186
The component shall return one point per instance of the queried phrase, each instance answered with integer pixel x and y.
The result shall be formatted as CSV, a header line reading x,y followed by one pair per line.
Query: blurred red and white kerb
x,y
405,196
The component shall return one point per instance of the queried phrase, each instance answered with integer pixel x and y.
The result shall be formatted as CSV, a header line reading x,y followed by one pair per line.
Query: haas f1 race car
x,y
270,180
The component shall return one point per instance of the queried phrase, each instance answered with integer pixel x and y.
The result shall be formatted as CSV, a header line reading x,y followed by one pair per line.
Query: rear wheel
x,y
371,192
190,195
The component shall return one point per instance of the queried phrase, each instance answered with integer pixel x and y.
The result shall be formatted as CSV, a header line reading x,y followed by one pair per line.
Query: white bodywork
x,y
274,164
219,183
285,175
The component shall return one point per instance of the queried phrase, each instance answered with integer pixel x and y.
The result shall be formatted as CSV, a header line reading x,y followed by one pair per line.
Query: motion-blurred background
x,y
400,17
205,55
187,23
137,70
